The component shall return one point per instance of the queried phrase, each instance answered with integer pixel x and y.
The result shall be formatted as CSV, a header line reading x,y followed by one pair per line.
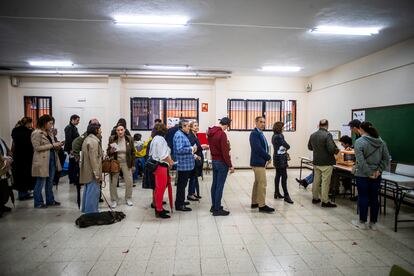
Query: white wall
x,y
109,98
263,88
383,78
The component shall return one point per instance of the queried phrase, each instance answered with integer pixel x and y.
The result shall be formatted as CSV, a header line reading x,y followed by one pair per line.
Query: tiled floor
x,y
299,239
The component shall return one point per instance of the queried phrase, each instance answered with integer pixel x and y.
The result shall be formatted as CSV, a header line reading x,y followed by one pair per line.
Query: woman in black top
x,y
22,158
280,161
194,186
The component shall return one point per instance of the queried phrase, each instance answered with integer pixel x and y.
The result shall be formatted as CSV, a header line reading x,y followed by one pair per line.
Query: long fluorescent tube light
x,y
51,63
345,30
172,20
281,69
167,67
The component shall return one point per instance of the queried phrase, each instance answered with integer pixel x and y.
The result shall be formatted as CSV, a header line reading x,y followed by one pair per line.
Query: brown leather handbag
x,y
110,166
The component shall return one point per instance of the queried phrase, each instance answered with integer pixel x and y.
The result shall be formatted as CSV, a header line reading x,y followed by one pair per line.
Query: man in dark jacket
x,y
220,155
324,150
71,133
259,159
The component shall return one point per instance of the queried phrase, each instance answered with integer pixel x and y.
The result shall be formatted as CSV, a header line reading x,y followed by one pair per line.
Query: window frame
x,y
164,104
263,102
37,106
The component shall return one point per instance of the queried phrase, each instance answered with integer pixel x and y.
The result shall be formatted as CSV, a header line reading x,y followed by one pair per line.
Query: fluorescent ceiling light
x,y
167,67
51,63
281,69
172,20
345,30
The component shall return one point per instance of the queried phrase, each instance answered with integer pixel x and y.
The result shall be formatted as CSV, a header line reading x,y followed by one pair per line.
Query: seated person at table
x,y
305,181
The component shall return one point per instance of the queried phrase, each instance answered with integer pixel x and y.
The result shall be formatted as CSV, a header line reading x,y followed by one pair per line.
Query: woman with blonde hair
x,y
280,161
121,148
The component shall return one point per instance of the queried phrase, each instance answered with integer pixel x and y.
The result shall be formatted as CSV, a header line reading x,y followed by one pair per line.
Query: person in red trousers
x,y
160,152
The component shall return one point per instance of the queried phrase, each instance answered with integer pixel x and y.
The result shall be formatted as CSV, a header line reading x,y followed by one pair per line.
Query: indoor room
x,y
206,137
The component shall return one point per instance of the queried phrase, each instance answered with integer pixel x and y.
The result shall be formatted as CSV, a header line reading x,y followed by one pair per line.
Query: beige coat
x,y
91,160
41,148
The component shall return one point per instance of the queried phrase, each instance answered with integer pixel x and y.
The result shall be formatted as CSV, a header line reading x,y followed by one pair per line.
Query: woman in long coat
x,y
22,149
45,162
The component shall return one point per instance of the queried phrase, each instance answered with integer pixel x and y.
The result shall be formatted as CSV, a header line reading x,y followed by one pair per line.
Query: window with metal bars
x,y
244,112
35,107
145,110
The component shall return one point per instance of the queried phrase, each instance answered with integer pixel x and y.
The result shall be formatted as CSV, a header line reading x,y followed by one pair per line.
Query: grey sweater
x,y
323,147
371,155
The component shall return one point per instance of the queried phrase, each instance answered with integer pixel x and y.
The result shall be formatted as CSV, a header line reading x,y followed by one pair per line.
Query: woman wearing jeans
x,y
45,161
372,157
91,169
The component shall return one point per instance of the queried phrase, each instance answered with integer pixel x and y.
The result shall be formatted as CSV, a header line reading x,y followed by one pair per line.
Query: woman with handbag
x,y
91,169
194,186
161,153
121,149
280,161
372,158
45,161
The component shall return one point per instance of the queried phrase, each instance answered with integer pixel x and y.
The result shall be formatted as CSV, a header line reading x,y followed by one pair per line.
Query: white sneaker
x,y
114,204
359,224
373,226
129,202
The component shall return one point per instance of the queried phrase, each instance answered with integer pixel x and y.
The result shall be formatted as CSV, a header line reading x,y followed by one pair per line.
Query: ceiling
x,y
234,35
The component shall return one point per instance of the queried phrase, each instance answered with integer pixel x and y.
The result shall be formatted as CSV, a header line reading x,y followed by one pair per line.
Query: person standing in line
x,y
259,160
324,150
71,133
22,149
122,122
91,169
6,162
184,154
221,161
372,158
355,126
121,148
160,152
61,154
194,186
45,162
280,161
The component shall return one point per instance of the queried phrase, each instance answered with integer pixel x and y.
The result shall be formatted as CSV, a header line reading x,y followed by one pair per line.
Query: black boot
x,y
288,199
162,214
278,195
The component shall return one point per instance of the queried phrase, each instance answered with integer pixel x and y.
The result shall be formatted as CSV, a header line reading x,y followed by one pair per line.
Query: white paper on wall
x,y
359,115
345,130
172,121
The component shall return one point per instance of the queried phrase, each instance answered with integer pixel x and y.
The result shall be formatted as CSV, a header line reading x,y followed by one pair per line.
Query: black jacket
x,y
22,159
323,147
279,160
198,163
71,133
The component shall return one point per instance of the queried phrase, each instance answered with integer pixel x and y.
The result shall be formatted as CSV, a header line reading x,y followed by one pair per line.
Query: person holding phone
x,y
45,161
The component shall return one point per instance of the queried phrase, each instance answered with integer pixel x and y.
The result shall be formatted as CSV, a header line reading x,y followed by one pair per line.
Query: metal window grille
x,y
35,107
145,110
244,112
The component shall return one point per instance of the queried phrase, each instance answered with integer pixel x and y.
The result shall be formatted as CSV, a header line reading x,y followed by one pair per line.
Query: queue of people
x,y
33,161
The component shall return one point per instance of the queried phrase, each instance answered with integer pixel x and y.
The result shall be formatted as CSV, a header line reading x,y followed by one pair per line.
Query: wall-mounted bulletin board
x,y
396,127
